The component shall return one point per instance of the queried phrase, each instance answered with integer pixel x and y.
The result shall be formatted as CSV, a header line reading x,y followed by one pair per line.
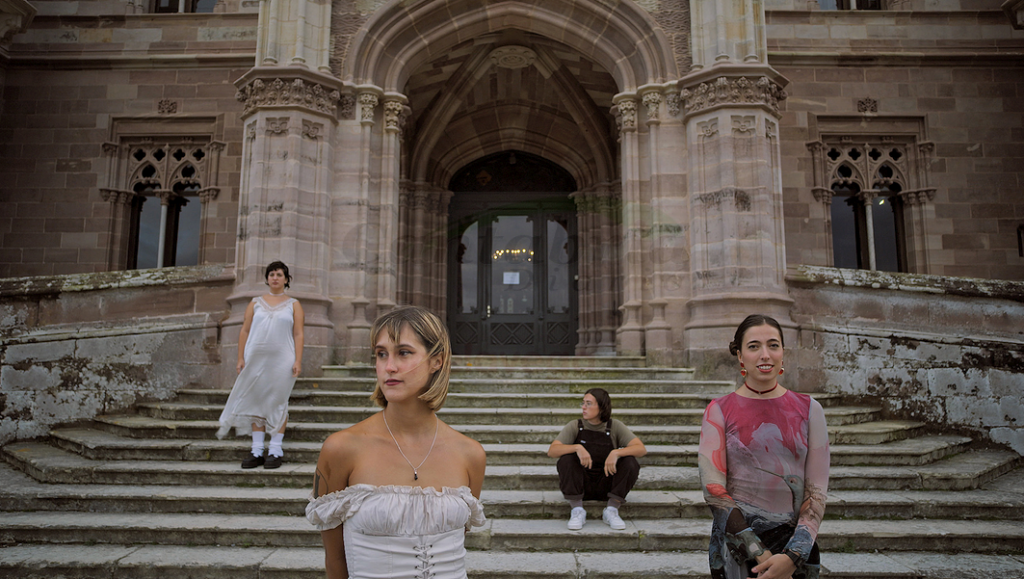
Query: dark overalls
x,y
591,484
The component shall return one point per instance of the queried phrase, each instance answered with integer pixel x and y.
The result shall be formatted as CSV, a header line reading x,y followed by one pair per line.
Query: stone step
x,y
52,465
101,445
22,493
835,416
138,426
533,372
463,361
163,561
332,398
643,535
544,385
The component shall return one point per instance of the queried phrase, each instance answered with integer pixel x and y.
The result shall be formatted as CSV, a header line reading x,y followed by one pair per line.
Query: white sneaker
x,y
611,516
577,518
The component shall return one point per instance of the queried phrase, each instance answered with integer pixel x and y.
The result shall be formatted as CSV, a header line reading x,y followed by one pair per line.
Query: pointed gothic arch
x,y
402,35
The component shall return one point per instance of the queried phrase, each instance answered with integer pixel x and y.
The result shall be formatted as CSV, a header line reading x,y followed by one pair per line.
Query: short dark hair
x,y
604,402
279,265
752,321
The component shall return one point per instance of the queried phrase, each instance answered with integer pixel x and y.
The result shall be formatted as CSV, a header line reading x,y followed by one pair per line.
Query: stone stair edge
x,y
503,534
302,563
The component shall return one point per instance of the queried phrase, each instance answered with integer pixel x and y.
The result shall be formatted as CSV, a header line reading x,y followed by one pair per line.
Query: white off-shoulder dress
x,y
400,532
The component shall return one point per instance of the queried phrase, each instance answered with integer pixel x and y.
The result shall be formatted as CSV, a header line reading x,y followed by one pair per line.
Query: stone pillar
x,y
731,110
289,109
657,332
629,337
387,252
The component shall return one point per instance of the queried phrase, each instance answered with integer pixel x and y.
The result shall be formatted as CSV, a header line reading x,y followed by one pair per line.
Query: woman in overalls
x,y
596,460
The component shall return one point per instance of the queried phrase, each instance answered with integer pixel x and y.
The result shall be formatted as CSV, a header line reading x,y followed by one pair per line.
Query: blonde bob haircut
x,y
434,336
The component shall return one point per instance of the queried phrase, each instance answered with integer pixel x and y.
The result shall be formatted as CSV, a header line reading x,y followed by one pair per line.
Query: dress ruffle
x,y
331,510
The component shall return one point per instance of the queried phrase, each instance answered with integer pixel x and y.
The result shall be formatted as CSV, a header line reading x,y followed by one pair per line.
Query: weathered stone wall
x,y
949,351
959,75
78,72
75,346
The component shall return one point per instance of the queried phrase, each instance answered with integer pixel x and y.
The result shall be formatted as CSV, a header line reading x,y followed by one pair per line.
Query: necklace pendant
x,y
415,475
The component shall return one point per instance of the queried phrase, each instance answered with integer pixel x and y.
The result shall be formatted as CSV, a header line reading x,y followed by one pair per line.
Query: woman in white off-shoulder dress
x,y
394,495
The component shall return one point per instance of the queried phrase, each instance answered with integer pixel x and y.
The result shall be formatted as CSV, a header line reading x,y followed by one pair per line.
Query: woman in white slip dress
x,y
269,359
395,494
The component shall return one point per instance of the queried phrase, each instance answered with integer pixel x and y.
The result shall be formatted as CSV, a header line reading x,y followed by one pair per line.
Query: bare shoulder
x,y
472,450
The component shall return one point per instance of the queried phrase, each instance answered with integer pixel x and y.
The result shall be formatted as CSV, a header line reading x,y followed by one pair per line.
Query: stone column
x,y
731,110
387,252
629,337
657,332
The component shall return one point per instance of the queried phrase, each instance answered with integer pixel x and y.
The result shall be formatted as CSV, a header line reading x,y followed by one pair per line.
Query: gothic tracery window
x,y
874,200
158,192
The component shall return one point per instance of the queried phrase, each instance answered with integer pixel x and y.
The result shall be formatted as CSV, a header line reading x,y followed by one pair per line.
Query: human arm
x,y
634,448
730,529
243,336
816,473
565,443
559,449
476,466
332,472
298,333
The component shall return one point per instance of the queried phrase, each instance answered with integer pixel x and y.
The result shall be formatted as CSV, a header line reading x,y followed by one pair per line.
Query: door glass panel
x,y
512,265
468,258
560,252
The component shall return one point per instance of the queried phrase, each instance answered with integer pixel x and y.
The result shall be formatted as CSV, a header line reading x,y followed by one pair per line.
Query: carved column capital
x,y
282,91
652,101
208,194
117,196
822,195
367,103
625,113
740,91
393,115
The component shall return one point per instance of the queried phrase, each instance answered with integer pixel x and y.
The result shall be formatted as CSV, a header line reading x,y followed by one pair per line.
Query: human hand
x,y
239,366
584,457
296,368
610,463
770,566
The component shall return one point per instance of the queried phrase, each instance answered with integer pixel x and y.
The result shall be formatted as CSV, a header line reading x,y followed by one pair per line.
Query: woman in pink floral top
x,y
764,461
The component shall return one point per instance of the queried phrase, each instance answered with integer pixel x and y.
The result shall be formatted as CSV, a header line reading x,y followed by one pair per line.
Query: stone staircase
x,y
154,494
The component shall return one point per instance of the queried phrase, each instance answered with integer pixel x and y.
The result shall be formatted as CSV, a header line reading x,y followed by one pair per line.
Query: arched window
x,y
867,187
157,220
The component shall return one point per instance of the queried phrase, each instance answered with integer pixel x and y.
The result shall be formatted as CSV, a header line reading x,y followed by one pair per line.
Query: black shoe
x,y
252,461
273,461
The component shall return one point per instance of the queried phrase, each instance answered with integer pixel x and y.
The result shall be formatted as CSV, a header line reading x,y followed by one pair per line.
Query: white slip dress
x,y
261,391
400,532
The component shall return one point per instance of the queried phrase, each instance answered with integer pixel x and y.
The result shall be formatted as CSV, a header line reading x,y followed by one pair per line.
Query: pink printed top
x,y
764,466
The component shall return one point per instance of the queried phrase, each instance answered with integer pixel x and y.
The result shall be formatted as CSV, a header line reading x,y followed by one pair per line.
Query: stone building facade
x,y
557,177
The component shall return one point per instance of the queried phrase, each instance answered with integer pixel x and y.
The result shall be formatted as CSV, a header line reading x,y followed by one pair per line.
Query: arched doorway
x,y
512,255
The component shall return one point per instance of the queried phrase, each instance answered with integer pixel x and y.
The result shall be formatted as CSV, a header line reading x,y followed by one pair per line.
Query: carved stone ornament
x,y
867,106
513,57
627,114
652,101
167,107
348,107
367,102
311,130
733,91
392,114
297,92
673,103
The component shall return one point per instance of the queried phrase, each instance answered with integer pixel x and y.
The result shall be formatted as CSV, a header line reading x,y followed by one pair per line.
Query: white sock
x,y
275,444
257,443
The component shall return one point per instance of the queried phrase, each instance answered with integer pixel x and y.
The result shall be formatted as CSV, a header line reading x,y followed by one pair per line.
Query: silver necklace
x,y
415,469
